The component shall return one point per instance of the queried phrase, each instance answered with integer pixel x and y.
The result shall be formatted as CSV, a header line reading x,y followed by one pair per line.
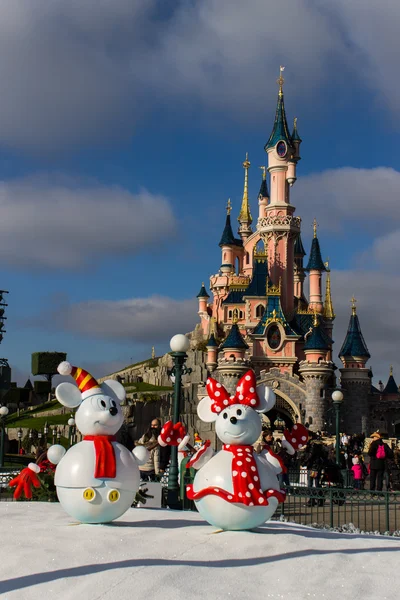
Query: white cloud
x,y
362,197
84,71
66,224
151,320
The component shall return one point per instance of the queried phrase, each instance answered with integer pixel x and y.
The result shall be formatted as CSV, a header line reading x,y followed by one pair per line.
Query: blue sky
x,y
123,127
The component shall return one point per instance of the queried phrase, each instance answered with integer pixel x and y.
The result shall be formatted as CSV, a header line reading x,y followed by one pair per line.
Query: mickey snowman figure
x,y
96,479
237,489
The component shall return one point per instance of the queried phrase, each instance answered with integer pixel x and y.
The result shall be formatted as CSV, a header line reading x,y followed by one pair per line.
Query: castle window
x,y
230,314
240,314
260,311
247,258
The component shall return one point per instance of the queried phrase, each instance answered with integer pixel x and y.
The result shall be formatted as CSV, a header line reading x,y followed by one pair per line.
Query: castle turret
x,y
229,244
299,273
212,351
391,388
296,139
355,376
316,372
315,267
263,195
244,217
203,299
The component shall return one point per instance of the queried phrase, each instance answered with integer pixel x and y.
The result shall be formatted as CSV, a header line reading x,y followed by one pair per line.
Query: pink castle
x,y
258,313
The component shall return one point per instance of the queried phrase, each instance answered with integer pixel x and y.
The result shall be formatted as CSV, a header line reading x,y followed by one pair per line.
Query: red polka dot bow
x,y
245,393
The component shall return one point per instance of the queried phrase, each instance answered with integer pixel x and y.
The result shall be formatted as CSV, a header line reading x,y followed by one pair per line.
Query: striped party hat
x,y
86,383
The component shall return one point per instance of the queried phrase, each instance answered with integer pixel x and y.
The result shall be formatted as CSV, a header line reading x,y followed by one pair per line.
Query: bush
x,y
46,363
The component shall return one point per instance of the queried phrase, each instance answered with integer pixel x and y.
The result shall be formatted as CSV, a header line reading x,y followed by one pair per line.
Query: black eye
x,y
225,415
113,403
238,412
103,403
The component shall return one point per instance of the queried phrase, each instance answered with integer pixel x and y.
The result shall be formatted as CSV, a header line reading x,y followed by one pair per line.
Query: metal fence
x,y
335,507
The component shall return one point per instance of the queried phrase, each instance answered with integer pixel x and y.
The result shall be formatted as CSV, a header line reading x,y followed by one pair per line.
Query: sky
x,y
123,128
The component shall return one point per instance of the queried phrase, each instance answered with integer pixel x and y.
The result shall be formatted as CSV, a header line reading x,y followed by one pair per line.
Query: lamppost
x,y
45,433
179,345
20,433
58,436
71,425
54,433
337,398
3,414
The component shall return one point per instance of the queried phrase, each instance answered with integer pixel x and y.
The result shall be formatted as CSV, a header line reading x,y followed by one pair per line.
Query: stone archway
x,y
284,409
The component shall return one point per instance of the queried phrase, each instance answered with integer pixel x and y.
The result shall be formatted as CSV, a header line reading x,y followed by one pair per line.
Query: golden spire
x,y
315,320
228,207
264,172
315,227
328,307
391,371
280,81
244,215
353,306
212,326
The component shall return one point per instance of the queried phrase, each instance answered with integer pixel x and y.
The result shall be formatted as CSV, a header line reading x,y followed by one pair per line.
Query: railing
x,y
335,507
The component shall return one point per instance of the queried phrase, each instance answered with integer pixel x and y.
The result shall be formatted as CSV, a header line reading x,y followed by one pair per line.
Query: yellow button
x,y
89,494
113,496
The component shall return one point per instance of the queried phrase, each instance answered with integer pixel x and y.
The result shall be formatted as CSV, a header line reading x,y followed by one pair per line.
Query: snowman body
x,y
233,516
75,475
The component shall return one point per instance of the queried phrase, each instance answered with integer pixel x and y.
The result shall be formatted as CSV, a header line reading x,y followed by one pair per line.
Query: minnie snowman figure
x,y
236,489
96,479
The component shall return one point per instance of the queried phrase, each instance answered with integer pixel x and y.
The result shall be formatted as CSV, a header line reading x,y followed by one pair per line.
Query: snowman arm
x,y
55,453
201,457
141,455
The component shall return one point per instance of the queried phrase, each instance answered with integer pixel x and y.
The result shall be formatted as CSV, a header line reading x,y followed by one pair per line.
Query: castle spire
x,y
354,345
280,131
244,217
328,307
315,262
391,386
227,238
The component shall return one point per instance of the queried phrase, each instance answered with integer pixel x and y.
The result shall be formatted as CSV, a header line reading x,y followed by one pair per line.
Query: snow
x,y
171,555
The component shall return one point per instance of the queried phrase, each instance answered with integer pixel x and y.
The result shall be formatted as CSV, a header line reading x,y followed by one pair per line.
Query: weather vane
x,y
228,207
315,227
280,81
264,172
353,305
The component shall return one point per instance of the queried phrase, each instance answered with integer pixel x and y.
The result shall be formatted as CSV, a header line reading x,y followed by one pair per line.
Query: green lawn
x,y
38,422
146,387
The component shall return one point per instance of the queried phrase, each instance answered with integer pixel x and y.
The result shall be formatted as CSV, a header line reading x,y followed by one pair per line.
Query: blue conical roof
x,y
203,292
391,386
315,262
263,189
354,344
258,283
234,339
212,342
280,130
316,340
298,247
227,238
295,134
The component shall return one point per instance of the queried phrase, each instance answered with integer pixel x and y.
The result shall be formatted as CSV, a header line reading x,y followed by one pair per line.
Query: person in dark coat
x,y
378,452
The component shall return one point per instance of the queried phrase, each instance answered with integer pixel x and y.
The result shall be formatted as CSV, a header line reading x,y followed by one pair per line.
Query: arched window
x,y
240,314
260,311
230,314
232,358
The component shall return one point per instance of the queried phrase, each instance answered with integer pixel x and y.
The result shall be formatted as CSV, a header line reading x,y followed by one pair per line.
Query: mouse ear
x,y
68,394
266,397
204,410
115,389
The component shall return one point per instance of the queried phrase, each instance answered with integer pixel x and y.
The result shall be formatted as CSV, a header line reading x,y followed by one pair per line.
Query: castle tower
x,y
212,351
203,309
244,217
315,267
279,228
263,195
233,363
355,376
299,273
231,247
317,373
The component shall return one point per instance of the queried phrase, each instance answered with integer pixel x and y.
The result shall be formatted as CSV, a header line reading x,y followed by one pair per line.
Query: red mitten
x,y
172,435
297,437
24,481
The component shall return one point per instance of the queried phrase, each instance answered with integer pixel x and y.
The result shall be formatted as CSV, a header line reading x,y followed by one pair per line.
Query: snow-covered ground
x,y
157,554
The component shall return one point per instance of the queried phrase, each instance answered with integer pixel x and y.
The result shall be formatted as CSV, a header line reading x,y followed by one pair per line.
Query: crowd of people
x,y
371,464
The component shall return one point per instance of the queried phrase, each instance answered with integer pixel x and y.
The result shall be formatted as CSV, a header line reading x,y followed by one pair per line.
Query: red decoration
x,y
246,393
171,435
23,482
105,456
246,481
297,437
